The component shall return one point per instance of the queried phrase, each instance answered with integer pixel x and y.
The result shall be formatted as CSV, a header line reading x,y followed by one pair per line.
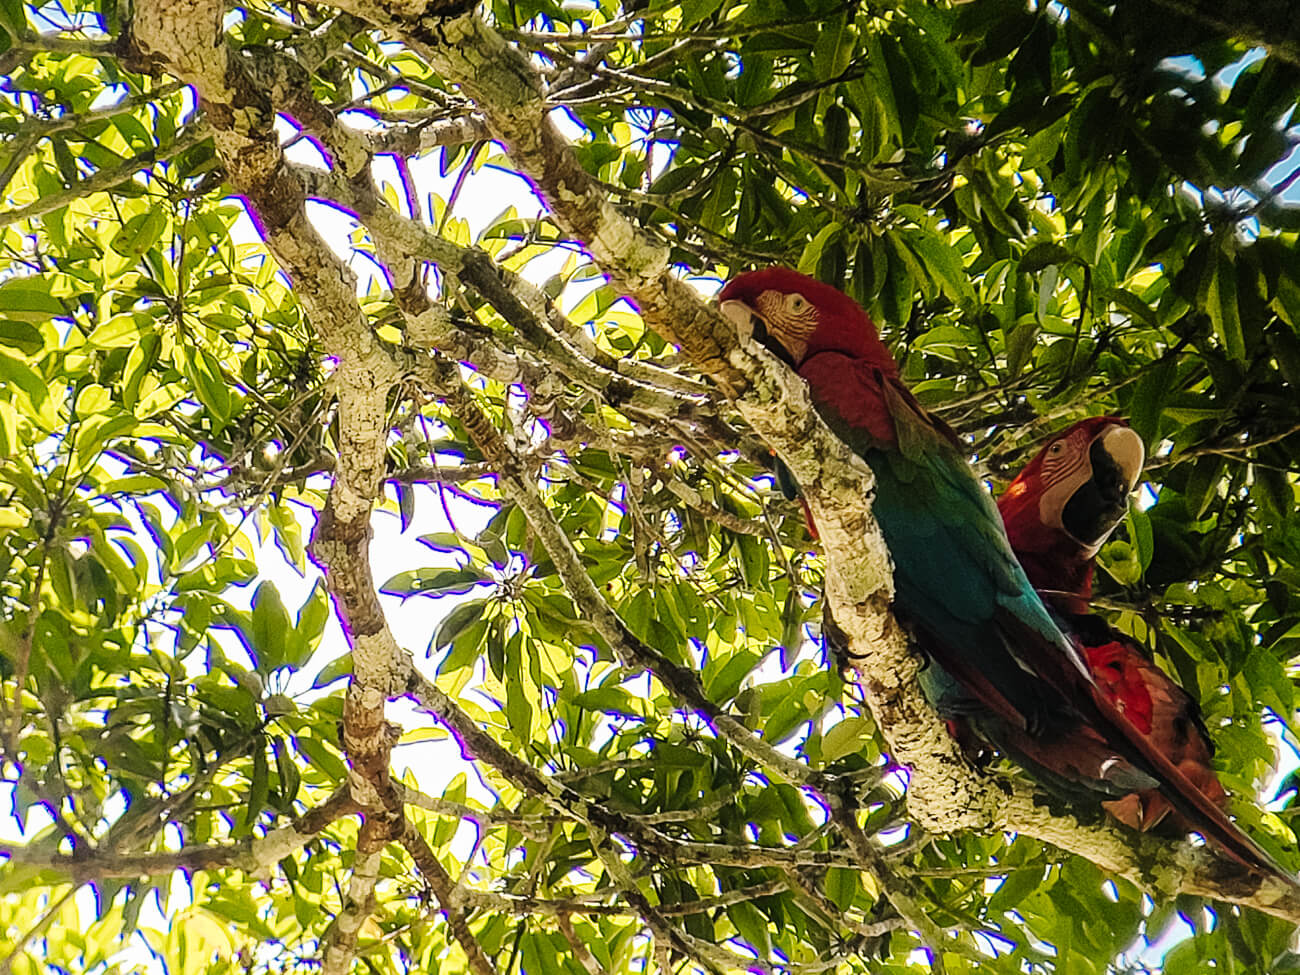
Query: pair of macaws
x,y
1037,676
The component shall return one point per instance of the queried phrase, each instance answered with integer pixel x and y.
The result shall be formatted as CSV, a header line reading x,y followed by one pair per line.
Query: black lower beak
x,y
1101,502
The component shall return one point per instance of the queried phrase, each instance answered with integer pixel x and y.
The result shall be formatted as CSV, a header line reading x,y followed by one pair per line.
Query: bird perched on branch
x,y
1058,511
997,655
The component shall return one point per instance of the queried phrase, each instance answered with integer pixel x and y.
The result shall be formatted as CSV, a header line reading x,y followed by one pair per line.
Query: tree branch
x,y
444,889
107,179
187,35
253,855
340,943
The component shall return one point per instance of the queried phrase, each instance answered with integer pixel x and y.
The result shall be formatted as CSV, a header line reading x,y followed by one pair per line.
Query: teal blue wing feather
x,y
955,575
930,454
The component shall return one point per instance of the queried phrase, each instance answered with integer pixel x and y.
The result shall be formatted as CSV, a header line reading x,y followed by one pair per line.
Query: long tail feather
x,y
1097,745
1192,803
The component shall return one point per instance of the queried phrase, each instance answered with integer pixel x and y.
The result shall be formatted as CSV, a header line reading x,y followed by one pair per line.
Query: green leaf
x,y
1140,534
21,336
1221,306
1017,885
1203,484
723,685
1130,303
1269,681
833,49
205,377
312,617
1043,255
118,332
752,927
27,299
457,620
1047,289
321,757
337,668
1021,344
270,627
842,886
259,789
1272,488
9,445
434,582
16,373
405,504
694,11
519,711
846,738
943,264
289,777
812,252
1149,400
140,233
13,15
468,647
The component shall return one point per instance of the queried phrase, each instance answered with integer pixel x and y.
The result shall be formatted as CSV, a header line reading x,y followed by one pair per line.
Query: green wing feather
x,y
955,575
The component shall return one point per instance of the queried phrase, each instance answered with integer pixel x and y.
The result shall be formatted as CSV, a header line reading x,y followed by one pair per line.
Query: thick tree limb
x,y
1152,863
412,138
187,36
256,856
340,943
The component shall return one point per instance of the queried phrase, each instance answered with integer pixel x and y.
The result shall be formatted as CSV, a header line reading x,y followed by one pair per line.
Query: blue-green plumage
x,y
955,576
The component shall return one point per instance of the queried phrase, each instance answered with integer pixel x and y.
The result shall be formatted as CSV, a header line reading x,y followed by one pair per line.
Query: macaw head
x,y
1076,489
796,316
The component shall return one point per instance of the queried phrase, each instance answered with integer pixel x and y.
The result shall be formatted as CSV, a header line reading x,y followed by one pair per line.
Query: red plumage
x,y
1163,712
1142,701
841,325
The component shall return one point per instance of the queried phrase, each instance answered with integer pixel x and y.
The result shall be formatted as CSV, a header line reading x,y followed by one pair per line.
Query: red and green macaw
x,y
998,656
1057,513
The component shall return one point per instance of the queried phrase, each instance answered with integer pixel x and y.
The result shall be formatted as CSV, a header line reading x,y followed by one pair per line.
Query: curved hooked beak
x,y
1098,504
748,324
751,328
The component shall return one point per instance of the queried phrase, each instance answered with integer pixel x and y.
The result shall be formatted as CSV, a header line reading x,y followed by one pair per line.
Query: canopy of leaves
x,y
1053,210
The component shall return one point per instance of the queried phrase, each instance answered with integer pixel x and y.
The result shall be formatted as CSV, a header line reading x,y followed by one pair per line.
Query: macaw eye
x,y
797,303
1056,449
